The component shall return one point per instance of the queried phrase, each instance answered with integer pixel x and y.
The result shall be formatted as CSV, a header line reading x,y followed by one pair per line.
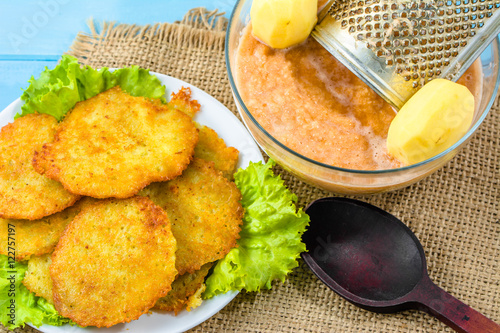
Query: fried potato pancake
x,y
196,299
113,262
182,101
211,147
37,278
114,144
24,193
183,289
40,236
205,211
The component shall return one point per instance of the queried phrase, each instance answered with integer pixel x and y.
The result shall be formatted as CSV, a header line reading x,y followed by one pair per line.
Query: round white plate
x,y
216,116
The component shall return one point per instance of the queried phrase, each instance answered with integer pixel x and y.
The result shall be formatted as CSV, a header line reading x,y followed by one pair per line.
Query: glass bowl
x,y
341,180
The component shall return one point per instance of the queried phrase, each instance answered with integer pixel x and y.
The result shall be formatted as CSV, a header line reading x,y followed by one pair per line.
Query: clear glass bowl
x,y
347,181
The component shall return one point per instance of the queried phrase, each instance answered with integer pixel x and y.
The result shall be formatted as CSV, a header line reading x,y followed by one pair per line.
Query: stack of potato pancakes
x,y
122,206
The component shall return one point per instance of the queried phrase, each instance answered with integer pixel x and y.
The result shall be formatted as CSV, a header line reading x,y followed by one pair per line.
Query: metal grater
x,y
396,46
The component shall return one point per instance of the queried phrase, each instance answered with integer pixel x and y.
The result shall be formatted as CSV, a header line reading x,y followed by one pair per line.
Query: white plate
x,y
216,116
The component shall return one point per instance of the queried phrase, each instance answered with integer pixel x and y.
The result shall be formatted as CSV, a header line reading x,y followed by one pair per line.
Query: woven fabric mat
x,y
454,212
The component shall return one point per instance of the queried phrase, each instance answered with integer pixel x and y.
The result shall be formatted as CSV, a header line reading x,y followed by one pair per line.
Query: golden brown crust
x,y
112,145
39,236
113,262
205,211
211,147
183,288
24,193
182,101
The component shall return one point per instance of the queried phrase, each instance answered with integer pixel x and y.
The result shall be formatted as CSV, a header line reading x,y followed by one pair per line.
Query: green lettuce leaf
x,y
138,82
270,238
92,82
18,304
57,90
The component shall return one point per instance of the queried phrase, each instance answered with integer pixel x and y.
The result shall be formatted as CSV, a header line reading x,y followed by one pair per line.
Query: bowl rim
x,y
464,138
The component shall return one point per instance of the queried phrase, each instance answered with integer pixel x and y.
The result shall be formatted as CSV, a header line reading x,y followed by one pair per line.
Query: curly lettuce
x,y
270,240
18,304
57,90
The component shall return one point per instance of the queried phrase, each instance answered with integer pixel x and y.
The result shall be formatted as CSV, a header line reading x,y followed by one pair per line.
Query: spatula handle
x,y
453,312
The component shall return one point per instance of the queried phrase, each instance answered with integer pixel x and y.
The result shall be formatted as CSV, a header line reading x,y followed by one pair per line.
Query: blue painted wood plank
x,y
34,33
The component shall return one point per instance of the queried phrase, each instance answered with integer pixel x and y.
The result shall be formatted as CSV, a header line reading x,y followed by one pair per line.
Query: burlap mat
x,y
454,212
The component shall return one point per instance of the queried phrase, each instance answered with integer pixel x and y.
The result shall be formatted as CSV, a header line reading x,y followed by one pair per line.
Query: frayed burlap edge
x,y
199,28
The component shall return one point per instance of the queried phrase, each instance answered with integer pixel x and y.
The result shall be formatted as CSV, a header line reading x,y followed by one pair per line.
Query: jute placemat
x,y
454,212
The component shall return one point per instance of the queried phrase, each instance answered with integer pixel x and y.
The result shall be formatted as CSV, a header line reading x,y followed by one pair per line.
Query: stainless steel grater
x,y
395,46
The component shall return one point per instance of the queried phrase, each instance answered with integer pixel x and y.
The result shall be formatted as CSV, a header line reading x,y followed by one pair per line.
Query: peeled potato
x,y
431,121
283,23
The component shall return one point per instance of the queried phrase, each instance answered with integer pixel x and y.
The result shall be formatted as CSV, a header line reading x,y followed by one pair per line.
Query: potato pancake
x,y
211,147
114,144
205,213
24,193
183,289
37,278
182,101
113,262
40,236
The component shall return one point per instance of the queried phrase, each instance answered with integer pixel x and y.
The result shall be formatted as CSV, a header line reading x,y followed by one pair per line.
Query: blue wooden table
x,y
35,33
